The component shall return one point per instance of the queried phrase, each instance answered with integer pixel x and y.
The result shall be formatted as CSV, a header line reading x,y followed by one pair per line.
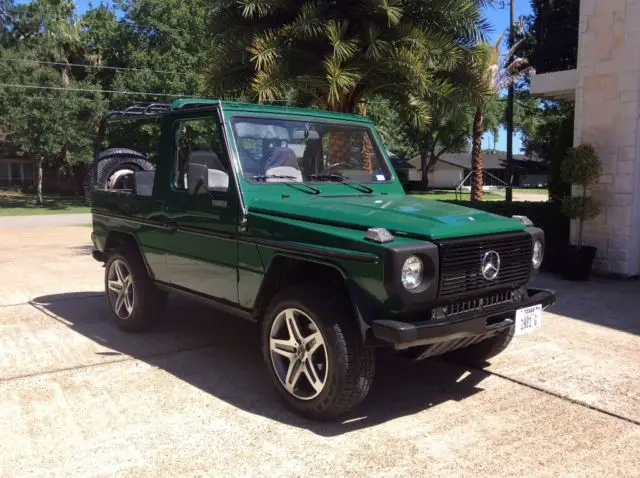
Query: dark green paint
x,y
213,244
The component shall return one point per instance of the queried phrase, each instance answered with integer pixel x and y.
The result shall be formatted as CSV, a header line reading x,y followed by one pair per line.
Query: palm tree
x,y
332,55
489,72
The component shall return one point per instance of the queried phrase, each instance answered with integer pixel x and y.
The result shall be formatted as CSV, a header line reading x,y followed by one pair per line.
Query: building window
x,y
28,174
14,173
4,174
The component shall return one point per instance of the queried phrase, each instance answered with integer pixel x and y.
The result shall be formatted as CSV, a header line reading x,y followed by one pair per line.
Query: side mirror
x,y
201,179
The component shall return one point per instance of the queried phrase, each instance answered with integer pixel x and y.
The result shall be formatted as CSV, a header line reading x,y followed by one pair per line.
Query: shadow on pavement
x,y
83,250
607,302
221,355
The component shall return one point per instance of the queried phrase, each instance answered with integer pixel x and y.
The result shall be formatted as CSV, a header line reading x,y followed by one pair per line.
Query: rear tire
x,y
330,379
110,162
136,304
478,354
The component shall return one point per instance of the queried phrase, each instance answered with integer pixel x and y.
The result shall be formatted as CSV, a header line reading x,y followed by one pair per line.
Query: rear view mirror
x,y
201,179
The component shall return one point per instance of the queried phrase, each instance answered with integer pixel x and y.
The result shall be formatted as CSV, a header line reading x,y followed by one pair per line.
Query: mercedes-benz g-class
x,y
296,220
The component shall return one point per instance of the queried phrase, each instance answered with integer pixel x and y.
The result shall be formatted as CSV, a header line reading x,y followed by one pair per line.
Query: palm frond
x,y
256,8
343,48
376,48
268,85
392,10
308,24
264,50
340,81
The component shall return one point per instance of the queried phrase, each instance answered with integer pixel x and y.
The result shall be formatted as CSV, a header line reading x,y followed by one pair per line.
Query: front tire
x,y
314,353
136,304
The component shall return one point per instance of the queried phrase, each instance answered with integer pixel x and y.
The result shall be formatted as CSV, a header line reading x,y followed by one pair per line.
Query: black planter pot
x,y
577,262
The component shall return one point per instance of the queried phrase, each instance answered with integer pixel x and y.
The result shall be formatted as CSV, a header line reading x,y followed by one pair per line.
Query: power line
x,y
117,68
141,93
146,93
86,90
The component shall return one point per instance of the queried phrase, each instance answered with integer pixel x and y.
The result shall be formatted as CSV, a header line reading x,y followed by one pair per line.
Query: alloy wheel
x,y
120,289
298,354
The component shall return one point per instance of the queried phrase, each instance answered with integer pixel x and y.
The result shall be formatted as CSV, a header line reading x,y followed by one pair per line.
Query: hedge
x,y
545,215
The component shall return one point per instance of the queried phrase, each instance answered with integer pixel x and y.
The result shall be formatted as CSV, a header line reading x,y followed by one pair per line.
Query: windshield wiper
x,y
341,179
264,177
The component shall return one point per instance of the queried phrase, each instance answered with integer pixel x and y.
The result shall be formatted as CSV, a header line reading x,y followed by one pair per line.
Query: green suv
x,y
294,219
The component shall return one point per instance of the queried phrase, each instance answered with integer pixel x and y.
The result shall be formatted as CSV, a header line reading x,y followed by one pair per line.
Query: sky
x,y
497,16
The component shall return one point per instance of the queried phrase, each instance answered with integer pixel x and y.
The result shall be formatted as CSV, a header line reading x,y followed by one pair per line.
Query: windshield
x,y
294,151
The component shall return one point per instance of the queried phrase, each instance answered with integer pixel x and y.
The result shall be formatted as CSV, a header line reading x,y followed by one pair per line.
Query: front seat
x,y
281,156
210,160
206,158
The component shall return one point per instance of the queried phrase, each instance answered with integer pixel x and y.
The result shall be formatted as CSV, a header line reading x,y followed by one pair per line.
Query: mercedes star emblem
x,y
490,265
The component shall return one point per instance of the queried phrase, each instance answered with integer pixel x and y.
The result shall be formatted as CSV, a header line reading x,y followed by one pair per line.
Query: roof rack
x,y
141,109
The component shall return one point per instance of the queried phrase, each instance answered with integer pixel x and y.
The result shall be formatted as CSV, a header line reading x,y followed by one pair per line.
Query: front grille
x,y
478,303
461,263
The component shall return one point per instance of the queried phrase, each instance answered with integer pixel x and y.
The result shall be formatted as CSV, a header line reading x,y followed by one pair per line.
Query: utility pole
x,y
509,195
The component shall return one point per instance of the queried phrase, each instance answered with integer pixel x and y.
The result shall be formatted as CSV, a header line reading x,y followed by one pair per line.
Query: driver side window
x,y
198,141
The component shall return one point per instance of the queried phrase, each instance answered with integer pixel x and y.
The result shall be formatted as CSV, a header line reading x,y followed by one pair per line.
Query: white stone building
x,y
606,89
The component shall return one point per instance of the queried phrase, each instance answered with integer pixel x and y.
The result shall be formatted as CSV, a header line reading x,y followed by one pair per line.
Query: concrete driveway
x,y
80,398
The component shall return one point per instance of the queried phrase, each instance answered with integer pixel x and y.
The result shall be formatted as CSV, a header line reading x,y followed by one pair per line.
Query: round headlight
x,y
538,254
412,273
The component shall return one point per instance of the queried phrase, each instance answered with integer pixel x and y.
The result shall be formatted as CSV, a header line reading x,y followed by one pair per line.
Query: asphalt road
x,y
80,398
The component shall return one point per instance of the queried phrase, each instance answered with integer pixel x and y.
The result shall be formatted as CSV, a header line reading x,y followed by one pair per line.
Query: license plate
x,y
529,319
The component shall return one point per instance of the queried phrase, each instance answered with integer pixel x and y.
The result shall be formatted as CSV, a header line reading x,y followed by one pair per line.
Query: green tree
x,y
44,114
159,46
53,127
334,54
448,132
550,35
550,139
550,41
394,131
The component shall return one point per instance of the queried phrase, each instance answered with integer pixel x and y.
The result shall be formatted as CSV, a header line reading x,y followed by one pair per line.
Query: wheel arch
x,y
285,270
120,239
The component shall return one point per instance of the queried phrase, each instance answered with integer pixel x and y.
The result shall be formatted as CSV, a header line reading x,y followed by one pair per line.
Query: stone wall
x,y
607,111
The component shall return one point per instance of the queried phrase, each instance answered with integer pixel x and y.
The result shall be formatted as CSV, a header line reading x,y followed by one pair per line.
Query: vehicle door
x,y
204,256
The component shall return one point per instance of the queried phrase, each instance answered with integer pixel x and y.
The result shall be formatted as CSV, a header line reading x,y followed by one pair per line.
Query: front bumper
x,y
403,335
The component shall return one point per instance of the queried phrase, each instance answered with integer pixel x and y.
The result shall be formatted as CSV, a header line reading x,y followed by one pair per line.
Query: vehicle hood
x,y
400,214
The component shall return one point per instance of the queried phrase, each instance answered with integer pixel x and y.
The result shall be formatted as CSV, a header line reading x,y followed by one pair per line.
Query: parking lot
x,y
80,398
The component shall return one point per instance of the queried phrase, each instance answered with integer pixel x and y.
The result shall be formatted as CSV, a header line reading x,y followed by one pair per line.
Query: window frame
x,y
390,176
223,154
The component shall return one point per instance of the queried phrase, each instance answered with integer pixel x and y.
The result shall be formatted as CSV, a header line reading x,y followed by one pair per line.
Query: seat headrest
x,y
206,158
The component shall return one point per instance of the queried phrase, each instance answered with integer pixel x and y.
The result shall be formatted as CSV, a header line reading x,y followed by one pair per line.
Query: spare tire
x,y
112,169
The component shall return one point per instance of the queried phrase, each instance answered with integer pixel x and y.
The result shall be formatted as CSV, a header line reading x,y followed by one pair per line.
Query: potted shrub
x,y
581,167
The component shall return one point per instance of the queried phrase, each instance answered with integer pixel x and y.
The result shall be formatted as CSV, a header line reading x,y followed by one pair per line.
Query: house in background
x,y
16,171
401,166
451,170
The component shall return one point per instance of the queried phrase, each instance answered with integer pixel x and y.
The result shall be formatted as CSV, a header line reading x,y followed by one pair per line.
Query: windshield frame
x,y
365,127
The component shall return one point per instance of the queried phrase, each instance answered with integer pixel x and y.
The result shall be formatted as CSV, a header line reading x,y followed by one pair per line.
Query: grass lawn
x,y
542,192
16,204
